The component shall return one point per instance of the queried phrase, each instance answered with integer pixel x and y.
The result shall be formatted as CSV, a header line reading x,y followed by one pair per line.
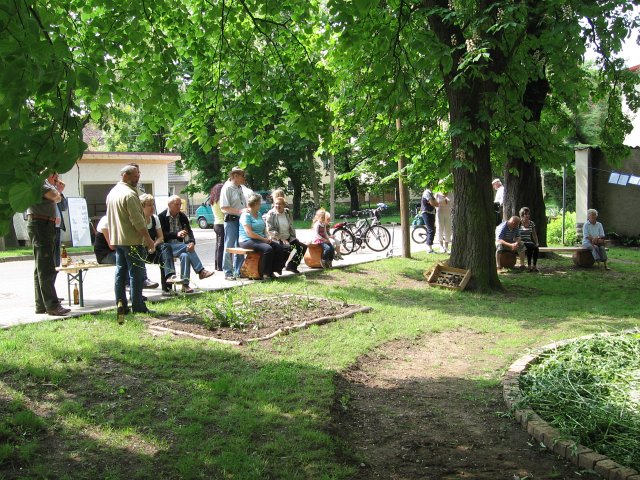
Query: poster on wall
x,y
79,220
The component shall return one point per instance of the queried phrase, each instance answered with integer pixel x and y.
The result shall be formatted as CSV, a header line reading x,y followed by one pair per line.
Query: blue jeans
x,y
187,260
271,255
231,233
429,220
328,252
130,263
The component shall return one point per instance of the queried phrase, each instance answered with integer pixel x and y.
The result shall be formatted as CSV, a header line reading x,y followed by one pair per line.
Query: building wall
x,y
616,204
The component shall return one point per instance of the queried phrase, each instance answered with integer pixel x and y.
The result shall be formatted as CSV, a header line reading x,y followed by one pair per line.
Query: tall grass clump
x,y
590,391
554,230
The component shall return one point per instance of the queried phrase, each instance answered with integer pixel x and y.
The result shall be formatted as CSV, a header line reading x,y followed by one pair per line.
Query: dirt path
x,y
418,410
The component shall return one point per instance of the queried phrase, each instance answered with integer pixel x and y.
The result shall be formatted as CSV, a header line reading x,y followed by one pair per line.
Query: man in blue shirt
x,y
508,239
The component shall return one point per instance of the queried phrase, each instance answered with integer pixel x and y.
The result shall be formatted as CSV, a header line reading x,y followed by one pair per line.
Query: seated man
x,y
179,236
280,229
106,253
508,238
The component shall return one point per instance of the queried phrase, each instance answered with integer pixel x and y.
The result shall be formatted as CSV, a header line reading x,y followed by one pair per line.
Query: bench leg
x,y
251,266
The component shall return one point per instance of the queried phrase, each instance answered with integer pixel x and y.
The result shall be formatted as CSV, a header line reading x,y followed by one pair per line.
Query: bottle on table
x,y
64,257
76,295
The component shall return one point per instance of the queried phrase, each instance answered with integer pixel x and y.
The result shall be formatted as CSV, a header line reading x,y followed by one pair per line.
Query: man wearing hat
x,y
41,226
232,203
498,199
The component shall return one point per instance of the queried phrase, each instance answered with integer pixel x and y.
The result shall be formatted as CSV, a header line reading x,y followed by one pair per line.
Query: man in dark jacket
x,y
179,236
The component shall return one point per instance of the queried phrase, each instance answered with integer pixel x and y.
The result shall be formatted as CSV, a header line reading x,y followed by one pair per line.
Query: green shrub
x,y
554,230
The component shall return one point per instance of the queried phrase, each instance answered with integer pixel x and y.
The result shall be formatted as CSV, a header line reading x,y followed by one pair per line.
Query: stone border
x,y
154,327
550,437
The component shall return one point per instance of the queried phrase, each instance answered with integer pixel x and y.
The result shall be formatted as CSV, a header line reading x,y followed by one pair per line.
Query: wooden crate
x,y
442,271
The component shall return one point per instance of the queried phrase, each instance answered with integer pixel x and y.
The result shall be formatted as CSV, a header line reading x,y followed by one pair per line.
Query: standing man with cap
x,y
128,233
498,199
41,227
61,206
232,204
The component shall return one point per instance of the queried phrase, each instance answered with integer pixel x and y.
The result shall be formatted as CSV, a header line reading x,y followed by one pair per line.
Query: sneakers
x,y
204,274
149,284
59,311
292,268
230,278
187,289
430,250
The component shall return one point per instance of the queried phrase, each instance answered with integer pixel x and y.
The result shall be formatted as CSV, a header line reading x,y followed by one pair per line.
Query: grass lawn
x,y
86,398
26,251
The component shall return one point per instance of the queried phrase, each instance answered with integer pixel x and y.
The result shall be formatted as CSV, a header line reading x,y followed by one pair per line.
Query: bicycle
x,y
366,231
310,211
418,228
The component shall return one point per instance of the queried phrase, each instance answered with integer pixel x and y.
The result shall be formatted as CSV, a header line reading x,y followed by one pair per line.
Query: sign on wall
x,y
79,221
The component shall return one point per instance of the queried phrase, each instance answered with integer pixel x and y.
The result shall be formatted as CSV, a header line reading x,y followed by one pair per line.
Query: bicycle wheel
x,y
345,239
378,238
419,234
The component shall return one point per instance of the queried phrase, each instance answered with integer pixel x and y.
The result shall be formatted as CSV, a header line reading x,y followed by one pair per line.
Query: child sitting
x,y
321,237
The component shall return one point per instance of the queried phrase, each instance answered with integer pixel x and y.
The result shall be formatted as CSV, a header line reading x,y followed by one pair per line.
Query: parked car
x,y
204,213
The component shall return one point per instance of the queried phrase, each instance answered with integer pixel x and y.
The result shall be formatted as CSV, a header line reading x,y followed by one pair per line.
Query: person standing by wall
x,y
128,233
498,200
232,204
218,224
41,227
443,216
61,206
428,206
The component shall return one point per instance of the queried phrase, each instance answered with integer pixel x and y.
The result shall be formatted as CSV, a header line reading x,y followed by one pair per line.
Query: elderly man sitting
x,y
179,236
508,239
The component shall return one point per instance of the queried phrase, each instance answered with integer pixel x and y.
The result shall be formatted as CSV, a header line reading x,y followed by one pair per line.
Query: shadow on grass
x,y
559,293
169,409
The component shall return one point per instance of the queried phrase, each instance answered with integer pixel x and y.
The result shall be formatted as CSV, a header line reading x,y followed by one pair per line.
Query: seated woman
x,y
280,229
529,237
593,237
162,254
253,236
332,238
321,237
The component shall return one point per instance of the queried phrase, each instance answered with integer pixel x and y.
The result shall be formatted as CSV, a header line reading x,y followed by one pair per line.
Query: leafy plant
x,y
554,230
225,312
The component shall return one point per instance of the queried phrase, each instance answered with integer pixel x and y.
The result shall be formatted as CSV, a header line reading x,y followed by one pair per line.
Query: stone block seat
x,y
251,266
313,255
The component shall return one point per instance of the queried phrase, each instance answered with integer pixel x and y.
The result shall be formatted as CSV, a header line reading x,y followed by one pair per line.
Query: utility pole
x,y
404,202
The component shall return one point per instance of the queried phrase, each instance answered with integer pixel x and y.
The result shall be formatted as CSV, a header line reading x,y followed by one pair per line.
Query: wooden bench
x,y
251,266
313,255
582,257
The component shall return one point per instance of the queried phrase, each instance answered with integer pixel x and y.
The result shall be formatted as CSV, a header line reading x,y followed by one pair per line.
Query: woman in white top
x,y
162,254
443,217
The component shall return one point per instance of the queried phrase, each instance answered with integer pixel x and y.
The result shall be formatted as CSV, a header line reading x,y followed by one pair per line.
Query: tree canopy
x,y
249,81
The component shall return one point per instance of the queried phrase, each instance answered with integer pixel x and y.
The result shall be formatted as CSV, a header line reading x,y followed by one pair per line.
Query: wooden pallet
x,y
449,277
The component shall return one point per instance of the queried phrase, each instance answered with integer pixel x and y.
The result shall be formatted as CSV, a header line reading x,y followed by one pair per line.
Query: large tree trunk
x,y
352,187
524,188
473,245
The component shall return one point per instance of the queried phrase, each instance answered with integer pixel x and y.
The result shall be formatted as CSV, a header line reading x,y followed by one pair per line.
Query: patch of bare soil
x,y
255,319
418,411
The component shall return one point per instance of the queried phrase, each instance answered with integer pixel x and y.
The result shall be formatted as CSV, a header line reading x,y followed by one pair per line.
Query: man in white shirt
x,y
232,203
498,200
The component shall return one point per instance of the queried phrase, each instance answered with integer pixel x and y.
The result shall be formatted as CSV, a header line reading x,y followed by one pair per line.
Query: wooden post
x,y
404,203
